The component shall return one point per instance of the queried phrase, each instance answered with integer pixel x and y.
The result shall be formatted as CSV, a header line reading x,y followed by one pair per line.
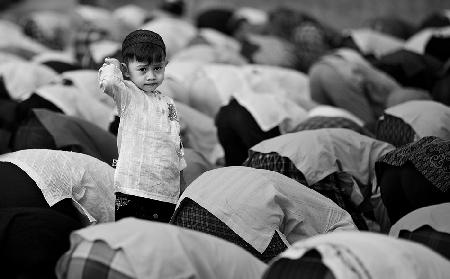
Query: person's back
x,y
147,177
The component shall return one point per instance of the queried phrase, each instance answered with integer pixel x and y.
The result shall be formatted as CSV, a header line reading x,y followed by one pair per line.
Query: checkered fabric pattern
x,y
437,241
95,260
274,162
394,130
328,187
191,215
321,122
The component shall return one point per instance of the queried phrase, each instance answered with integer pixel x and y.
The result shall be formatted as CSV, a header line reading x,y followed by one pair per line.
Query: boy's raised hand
x,y
112,61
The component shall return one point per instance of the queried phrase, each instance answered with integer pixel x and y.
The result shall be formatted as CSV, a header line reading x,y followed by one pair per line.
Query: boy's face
x,y
145,76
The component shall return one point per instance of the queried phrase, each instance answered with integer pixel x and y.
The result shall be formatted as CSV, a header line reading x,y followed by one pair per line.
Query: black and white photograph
x,y
224,139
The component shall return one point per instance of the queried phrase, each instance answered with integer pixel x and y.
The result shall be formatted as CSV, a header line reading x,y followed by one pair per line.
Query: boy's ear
x,y
124,69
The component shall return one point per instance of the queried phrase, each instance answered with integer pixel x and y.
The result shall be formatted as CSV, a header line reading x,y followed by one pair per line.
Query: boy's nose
x,y
150,75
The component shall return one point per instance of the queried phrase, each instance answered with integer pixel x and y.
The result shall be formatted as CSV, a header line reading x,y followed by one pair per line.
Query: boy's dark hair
x,y
143,46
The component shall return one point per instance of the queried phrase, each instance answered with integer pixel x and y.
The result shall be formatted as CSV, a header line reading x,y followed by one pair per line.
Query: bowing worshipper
x,y
58,61
211,46
248,103
196,165
32,239
338,163
86,81
75,184
248,28
428,225
372,43
262,211
410,69
311,37
346,80
208,53
45,129
217,18
435,19
413,120
437,46
324,122
362,255
16,39
131,15
324,116
15,42
39,86
317,110
53,29
137,249
406,94
11,116
22,78
99,36
214,85
420,42
173,7
73,101
101,19
176,32
199,133
414,175
238,129
392,25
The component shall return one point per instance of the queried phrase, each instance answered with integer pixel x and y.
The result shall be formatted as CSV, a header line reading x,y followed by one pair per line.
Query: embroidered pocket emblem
x,y
172,112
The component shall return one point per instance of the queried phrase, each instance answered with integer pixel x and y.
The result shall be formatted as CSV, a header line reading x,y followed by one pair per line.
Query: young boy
x,y
151,156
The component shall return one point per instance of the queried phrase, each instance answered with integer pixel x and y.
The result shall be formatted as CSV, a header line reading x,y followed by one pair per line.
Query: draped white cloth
x,y
427,118
22,78
61,175
364,255
319,153
435,216
257,203
161,251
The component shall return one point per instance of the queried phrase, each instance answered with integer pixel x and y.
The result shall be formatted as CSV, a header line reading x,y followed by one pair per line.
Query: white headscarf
x,y
435,216
364,255
159,251
22,78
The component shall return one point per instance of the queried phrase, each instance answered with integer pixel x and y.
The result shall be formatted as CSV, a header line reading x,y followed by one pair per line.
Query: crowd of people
x,y
237,143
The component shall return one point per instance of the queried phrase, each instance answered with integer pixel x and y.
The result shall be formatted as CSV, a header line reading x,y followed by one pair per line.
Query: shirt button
x,y
155,216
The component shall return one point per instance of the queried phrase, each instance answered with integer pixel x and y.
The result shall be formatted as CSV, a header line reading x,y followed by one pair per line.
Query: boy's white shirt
x,y
151,155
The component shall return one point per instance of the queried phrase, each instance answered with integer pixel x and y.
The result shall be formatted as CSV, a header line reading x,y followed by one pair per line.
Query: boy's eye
x,y
158,68
142,69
